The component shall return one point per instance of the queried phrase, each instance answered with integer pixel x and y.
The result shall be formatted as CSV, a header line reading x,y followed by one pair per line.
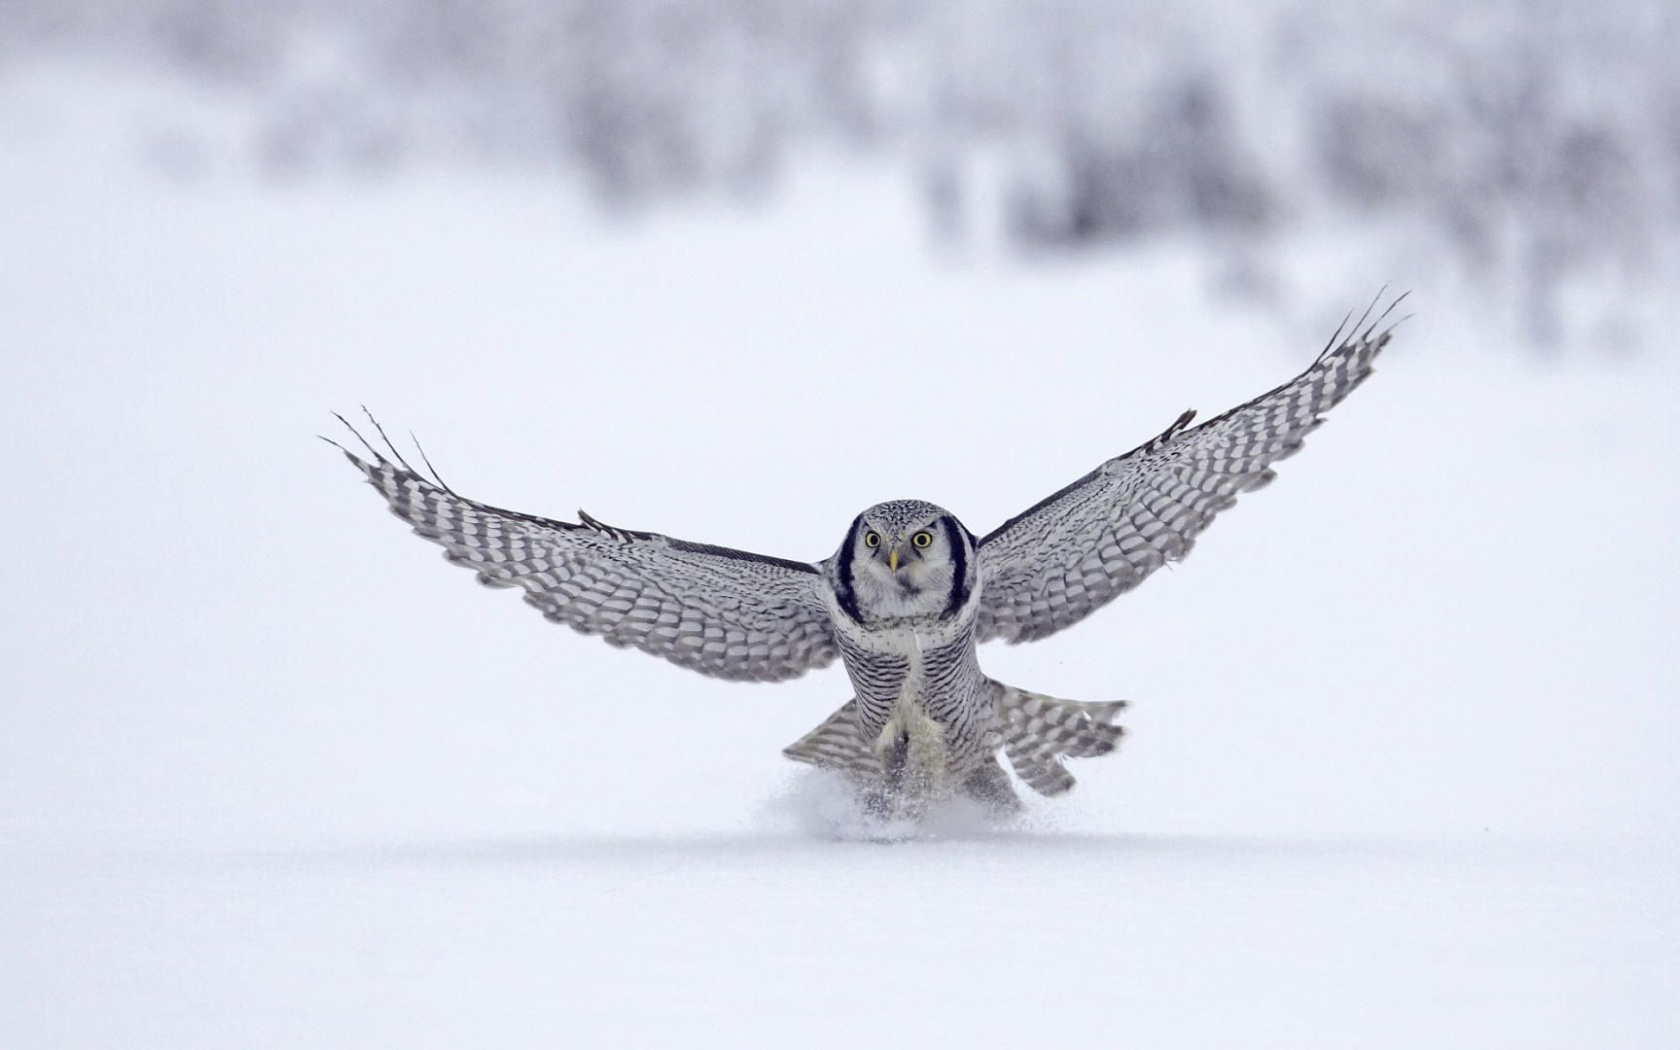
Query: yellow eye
x,y
871,539
924,540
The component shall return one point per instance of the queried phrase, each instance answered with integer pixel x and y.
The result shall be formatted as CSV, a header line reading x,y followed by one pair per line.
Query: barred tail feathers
x,y
838,744
1039,731
1035,731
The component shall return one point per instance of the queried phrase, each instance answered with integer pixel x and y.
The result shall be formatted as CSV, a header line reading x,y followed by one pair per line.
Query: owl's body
x,y
906,634
907,598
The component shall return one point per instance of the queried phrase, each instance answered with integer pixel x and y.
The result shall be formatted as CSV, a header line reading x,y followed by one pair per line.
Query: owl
x,y
908,598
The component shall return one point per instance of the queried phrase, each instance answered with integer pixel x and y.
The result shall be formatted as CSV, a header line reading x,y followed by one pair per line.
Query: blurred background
x,y
1530,151
1405,756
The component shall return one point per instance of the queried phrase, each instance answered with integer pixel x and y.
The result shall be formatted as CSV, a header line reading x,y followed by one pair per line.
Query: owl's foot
x,y
903,796
989,785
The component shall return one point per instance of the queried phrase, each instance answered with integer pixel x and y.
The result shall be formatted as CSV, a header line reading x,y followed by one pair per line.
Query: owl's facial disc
x,y
901,555
902,563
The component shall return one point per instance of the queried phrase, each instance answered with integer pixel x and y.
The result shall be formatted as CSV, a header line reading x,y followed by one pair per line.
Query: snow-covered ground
x,y
1405,763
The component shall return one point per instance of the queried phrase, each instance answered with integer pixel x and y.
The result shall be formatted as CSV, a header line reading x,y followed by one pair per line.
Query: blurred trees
x,y
1535,140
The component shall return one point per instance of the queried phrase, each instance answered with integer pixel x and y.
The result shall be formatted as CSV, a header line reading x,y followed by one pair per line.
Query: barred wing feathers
x,y
725,613
1099,537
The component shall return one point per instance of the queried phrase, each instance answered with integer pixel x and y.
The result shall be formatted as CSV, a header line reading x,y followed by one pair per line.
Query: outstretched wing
x,y
722,612
1099,537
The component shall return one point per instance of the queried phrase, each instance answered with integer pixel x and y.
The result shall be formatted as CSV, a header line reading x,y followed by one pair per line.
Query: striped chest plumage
x,y
935,670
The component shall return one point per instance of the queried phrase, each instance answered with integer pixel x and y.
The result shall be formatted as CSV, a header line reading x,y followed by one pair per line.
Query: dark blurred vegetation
x,y
1533,141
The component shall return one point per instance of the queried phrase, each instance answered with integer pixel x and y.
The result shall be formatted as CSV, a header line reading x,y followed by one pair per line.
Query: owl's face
x,y
906,558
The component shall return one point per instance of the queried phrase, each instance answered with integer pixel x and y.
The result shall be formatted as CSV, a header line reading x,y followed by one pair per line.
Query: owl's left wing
x,y
1101,536
722,612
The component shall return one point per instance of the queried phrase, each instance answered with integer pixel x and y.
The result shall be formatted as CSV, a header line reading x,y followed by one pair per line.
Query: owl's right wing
x,y
722,612
1099,537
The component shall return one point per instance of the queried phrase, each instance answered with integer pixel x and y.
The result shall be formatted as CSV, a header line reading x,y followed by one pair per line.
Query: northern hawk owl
x,y
907,599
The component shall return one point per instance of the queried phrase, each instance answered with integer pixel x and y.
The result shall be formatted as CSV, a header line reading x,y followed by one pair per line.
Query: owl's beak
x,y
892,558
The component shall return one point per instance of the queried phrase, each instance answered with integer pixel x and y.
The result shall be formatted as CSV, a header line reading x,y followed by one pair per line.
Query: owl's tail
x,y
1039,731
1034,730
840,745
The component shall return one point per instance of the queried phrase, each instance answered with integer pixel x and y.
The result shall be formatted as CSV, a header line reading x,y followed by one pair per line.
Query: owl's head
x,y
905,558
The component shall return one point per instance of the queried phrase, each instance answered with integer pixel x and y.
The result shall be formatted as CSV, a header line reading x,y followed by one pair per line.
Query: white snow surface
x,y
1405,756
